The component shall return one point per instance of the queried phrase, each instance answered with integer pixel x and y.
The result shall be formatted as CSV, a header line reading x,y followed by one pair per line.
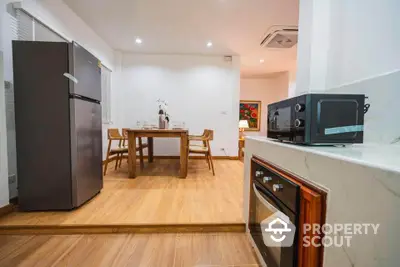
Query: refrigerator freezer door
x,y
86,69
86,150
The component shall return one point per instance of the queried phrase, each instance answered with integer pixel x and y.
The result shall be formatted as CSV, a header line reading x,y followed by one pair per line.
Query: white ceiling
x,y
235,27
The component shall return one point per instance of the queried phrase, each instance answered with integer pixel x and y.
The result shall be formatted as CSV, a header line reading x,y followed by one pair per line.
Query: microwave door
x,y
280,120
338,119
285,123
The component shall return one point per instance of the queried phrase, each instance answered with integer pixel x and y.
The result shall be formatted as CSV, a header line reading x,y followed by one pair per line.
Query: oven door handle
x,y
262,199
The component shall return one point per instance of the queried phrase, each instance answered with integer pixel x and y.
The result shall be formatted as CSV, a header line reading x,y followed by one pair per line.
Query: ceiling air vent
x,y
280,37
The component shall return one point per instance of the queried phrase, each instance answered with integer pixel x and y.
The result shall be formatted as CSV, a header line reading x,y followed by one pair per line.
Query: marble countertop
x,y
385,157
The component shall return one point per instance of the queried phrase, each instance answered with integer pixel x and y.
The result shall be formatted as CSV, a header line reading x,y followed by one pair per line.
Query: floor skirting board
x,y
190,157
123,229
195,157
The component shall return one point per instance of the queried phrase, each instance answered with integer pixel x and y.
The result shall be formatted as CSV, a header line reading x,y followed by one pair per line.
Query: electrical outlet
x,y
228,58
12,179
224,150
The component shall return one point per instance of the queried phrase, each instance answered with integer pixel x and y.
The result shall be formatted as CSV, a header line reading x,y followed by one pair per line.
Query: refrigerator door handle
x,y
71,77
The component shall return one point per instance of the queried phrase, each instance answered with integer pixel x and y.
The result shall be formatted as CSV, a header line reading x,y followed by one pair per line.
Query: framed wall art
x,y
250,110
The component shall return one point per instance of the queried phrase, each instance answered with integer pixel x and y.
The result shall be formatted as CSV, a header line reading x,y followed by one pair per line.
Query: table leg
x,y
132,154
184,155
150,142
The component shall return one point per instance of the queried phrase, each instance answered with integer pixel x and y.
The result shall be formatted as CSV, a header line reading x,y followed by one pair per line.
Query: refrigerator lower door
x,y
86,150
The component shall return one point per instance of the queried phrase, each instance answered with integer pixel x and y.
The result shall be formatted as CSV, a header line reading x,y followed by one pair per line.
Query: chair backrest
x,y
125,132
113,133
204,133
209,134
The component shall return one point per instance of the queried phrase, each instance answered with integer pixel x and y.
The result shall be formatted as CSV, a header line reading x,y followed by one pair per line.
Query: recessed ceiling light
x,y
261,60
209,44
138,40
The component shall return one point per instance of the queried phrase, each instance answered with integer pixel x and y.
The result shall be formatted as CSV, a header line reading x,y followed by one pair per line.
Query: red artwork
x,y
251,111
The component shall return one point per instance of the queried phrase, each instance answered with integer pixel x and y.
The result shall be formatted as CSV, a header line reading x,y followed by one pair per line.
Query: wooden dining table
x,y
157,133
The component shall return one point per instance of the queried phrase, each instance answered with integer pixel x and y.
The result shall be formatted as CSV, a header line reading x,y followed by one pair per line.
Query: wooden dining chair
x,y
114,153
117,153
204,148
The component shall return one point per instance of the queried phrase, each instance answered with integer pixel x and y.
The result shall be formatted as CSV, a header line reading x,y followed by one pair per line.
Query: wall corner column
x,y
313,45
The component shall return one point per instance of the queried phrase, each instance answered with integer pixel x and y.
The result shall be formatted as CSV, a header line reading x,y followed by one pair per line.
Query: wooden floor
x,y
136,250
155,197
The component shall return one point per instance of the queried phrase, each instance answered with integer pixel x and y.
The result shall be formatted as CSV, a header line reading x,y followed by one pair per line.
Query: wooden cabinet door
x,y
310,213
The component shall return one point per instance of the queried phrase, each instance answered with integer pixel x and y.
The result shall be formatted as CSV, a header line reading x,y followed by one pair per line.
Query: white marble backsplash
x,y
382,122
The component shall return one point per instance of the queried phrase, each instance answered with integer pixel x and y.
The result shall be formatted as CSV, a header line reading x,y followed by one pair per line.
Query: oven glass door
x,y
263,205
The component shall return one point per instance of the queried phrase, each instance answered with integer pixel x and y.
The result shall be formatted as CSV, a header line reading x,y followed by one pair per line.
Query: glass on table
x,y
178,125
146,125
154,123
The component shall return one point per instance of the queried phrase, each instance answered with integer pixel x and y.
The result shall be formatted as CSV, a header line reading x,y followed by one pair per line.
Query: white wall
x,y
304,46
343,42
292,83
364,40
4,197
313,45
202,91
59,17
266,90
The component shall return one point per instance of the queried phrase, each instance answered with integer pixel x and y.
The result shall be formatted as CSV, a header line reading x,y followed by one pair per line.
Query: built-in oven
x,y
272,194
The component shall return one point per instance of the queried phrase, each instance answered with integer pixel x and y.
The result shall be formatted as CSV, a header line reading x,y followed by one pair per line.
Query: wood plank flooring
x,y
136,250
155,198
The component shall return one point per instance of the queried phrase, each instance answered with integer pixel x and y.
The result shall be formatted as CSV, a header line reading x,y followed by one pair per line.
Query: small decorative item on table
x,y
163,116
250,111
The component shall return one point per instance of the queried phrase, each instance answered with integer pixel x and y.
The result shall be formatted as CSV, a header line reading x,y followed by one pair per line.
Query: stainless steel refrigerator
x,y
58,125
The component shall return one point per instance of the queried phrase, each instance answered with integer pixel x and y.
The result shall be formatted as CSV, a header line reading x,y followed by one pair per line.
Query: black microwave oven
x,y
318,119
